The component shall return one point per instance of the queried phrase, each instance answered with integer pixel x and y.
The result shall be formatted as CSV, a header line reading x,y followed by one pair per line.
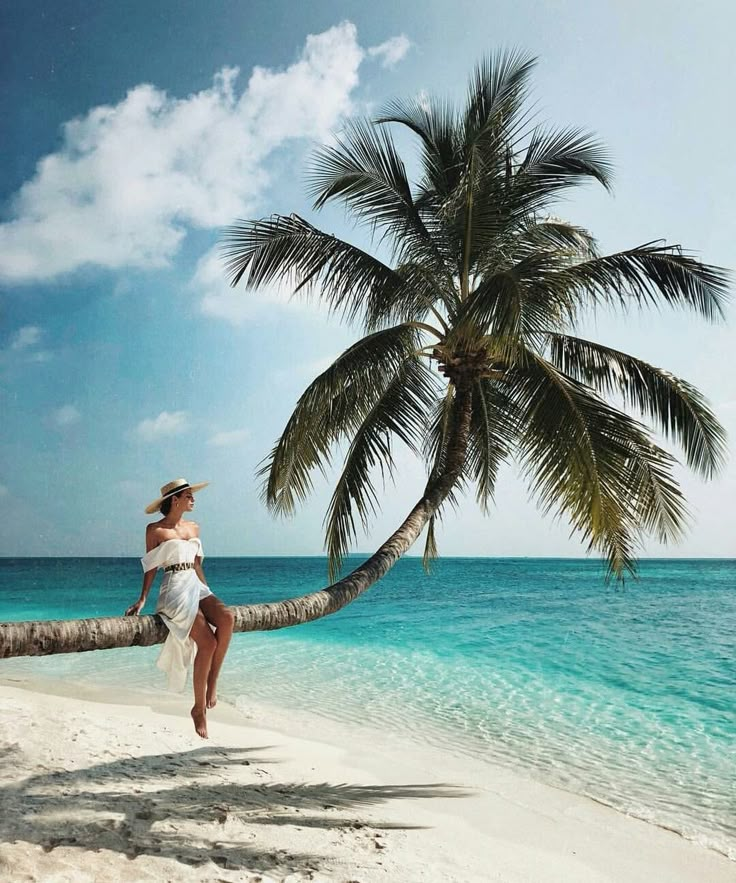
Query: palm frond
x,y
678,409
508,198
655,497
596,465
492,121
434,448
555,234
399,411
331,408
434,121
512,304
561,244
431,552
496,95
421,294
558,159
649,274
493,430
290,250
363,169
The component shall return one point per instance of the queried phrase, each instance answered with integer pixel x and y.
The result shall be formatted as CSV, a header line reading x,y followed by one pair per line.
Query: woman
x,y
200,626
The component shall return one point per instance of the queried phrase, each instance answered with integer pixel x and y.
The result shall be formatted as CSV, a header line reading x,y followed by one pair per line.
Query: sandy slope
x,y
100,792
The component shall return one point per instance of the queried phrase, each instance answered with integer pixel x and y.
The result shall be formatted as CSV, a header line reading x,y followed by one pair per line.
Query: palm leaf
x,y
351,281
434,448
596,465
398,411
649,275
558,159
655,497
496,94
567,240
363,169
493,430
508,197
422,293
492,121
678,409
290,250
512,304
431,552
331,408
434,121
437,433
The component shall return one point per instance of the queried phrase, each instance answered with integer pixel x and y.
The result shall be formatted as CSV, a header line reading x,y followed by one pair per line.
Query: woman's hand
x,y
135,609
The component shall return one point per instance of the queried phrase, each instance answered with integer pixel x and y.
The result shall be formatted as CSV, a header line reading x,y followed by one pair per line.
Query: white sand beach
x,y
102,791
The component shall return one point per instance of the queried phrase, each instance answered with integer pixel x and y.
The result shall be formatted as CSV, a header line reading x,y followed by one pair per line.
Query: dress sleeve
x,y
154,558
200,553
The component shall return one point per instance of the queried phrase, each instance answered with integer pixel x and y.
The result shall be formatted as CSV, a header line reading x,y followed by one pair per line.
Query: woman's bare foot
x,y
211,695
199,717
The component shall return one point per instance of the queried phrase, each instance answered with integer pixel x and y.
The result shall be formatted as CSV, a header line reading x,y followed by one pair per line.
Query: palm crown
x,y
468,355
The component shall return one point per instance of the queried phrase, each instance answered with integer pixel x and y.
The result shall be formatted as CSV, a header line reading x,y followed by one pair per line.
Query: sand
x,y
125,791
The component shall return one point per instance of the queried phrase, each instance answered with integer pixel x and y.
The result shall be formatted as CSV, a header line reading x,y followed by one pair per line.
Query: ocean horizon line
x,y
366,555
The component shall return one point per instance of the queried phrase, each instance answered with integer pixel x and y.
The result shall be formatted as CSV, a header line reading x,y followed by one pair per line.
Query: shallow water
x,y
625,695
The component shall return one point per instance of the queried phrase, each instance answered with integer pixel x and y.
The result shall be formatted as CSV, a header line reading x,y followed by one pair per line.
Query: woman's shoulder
x,y
157,533
154,535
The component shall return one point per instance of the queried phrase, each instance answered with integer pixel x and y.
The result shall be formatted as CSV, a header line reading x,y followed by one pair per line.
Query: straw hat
x,y
174,487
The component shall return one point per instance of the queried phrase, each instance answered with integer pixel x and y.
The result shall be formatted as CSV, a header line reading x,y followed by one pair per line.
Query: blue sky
x,y
133,132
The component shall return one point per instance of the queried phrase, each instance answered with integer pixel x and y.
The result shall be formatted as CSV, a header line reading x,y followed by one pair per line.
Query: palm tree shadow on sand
x,y
201,816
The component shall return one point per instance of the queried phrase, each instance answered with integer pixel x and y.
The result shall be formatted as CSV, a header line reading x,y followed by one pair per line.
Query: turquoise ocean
x,y
626,695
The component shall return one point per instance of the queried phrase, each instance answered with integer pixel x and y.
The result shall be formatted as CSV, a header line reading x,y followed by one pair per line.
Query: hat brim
x,y
154,506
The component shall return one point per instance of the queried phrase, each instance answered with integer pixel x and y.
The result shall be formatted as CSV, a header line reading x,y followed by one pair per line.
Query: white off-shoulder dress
x,y
178,603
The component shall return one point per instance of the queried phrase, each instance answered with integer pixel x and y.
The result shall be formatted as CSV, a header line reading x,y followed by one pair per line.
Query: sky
x,y
133,133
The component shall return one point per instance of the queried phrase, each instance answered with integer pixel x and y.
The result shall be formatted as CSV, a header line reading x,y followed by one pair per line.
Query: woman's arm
x,y
148,578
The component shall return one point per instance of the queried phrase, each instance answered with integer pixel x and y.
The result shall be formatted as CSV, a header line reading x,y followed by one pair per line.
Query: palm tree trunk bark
x,y
46,637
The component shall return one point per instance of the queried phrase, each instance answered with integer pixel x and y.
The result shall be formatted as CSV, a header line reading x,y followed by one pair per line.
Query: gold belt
x,y
187,565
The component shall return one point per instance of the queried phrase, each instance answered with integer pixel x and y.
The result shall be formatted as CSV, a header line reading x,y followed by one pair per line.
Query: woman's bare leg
x,y
202,636
221,617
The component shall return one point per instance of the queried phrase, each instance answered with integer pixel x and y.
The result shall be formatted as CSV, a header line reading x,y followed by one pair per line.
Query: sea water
x,y
626,695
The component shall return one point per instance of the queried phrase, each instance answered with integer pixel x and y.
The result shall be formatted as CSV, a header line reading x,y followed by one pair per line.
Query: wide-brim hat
x,y
177,486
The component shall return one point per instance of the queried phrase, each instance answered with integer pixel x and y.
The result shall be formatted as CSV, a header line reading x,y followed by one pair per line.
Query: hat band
x,y
177,490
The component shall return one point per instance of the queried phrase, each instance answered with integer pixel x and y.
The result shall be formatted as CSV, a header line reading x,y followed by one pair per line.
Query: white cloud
x,y
424,100
65,416
25,337
40,356
22,346
131,178
132,488
167,423
392,51
230,438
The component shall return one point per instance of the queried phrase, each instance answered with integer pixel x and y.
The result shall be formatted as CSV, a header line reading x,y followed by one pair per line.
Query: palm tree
x,y
469,356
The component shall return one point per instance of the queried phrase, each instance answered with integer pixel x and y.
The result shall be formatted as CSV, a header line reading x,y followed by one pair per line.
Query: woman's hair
x,y
165,506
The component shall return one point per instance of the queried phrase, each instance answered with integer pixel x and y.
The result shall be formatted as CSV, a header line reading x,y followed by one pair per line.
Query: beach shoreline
x,y
89,789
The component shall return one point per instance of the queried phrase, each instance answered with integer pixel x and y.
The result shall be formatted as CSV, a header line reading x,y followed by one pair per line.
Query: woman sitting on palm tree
x,y
200,625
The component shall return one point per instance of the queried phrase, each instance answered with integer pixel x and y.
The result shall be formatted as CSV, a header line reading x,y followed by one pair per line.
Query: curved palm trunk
x,y
46,637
